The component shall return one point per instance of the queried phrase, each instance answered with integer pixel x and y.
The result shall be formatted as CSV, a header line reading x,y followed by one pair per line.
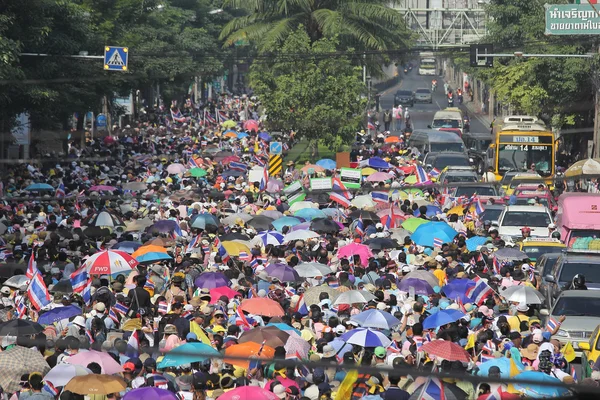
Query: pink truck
x,y
578,216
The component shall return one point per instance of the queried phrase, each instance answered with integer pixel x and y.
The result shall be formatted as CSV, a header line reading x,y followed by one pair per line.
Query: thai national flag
x,y
434,173
31,267
149,285
38,292
422,176
193,244
60,190
222,116
478,293
479,209
163,307
49,388
21,308
210,118
259,161
112,314
133,344
380,197
244,256
238,166
338,186
88,334
121,308
360,227
340,199
223,253
301,307
495,266
573,373
551,325
437,242
193,163
264,179
371,126
433,390
86,295
79,279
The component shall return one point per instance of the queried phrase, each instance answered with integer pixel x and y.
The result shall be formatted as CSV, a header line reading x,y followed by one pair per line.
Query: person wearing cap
x,y
5,293
519,318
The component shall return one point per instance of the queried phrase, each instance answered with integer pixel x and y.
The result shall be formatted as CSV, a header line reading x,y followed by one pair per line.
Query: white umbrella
x,y
363,201
268,237
230,220
312,269
63,373
354,296
424,276
138,225
522,294
299,205
176,169
105,219
300,235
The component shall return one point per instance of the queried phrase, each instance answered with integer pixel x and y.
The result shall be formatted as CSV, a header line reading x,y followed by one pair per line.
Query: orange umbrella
x,y
262,306
241,353
162,242
151,248
392,139
314,167
231,134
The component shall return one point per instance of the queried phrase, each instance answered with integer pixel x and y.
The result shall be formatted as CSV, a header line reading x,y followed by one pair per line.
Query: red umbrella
x,y
251,125
216,293
262,306
447,350
110,262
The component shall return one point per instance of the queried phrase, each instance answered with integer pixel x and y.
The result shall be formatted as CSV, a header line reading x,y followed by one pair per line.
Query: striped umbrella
x,y
269,237
105,219
110,262
366,337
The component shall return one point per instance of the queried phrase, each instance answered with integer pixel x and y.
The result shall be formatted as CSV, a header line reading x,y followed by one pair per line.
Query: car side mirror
x,y
544,312
549,278
584,346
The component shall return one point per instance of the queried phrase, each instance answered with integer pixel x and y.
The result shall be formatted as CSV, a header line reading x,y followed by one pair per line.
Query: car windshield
x,y
524,218
507,178
445,123
479,190
404,93
438,147
523,201
491,214
423,91
452,161
590,270
464,178
536,252
577,306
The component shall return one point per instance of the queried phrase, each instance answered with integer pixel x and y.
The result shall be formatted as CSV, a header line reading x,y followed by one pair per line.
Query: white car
x,y
513,218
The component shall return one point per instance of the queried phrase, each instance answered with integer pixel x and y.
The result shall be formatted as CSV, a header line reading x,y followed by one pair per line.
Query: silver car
x,y
582,311
423,95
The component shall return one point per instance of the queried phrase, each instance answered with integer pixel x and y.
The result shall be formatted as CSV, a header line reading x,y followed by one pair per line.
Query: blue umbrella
x,y
425,233
456,289
327,163
283,327
432,211
376,319
59,313
187,354
340,347
475,241
503,363
545,389
442,317
127,246
199,221
233,172
242,135
285,221
310,213
378,163
365,337
265,136
153,257
334,212
39,186
420,286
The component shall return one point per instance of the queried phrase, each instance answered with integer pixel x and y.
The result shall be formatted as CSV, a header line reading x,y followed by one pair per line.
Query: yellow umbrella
x,y
590,166
411,224
410,179
368,171
459,210
133,324
96,384
229,124
234,248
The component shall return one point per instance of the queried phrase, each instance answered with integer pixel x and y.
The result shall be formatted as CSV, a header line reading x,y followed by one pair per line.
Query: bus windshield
x,y
446,123
427,63
521,157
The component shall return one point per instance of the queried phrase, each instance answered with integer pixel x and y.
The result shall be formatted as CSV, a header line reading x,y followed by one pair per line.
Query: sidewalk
x,y
475,112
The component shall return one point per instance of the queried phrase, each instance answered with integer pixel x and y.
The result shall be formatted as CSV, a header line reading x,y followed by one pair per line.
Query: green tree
x,y
317,96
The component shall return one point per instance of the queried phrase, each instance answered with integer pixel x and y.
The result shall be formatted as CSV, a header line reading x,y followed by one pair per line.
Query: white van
x,y
450,118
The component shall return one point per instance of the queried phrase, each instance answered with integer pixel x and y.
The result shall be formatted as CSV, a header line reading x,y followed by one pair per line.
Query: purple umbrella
x,y
149,393
211,280
420,287
305,226
58,313
283,272
165,226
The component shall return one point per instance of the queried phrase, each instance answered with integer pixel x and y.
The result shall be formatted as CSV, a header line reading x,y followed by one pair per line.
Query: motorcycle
x,y
433,87
460,99
450,101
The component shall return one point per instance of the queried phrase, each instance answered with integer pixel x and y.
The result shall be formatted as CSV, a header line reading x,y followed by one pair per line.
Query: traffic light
x,y
478,55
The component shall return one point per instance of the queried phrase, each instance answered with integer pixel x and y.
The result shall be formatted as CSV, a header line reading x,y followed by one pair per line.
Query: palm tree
x,y
369,25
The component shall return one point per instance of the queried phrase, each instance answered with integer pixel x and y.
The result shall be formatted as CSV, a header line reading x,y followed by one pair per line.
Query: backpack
x,y
101,324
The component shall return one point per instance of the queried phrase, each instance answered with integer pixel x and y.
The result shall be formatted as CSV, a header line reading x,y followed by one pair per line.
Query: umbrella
x,y
102,188
311,296
150,393
284,327
447,391
312,169
419,286
365,215
18,361
200,221
522,294
187,353
366,337
138,225
217,293
441,318
96,232
375,162
379,177
248,393
356,249
61,374
96,384
297,345
234,236
197,172
334,213
447,350
104,219
127,246
108,364
272,213
432,211
376,319
167,226
363,201
260,223
283,272
176,168
19,327
549,387
152,257
231,219
38,187
299,235
235,248
156,245
110,262
424,235
242,352
456,289
270,335
302,204
262,306
503,363
241,135
304,226
381,243
285,221
424,276
135,186
229,124
252,125
230,134
274,186
286,382
17,282
268,237
510,254
327,163
474,242
309,214
353,297
211,280
411,224
324,225
59,313
590,166
312,270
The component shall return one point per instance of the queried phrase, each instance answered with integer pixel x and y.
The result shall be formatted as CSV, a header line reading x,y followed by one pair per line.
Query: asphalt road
x,y
422,114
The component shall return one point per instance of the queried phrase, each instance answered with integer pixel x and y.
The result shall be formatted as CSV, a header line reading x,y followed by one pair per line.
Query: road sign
x,y
101,121
275,164
116,58
571,19
478,55
275,148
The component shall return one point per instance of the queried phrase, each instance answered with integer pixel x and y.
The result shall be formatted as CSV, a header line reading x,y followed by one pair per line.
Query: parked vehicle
x,y
578,219
569,264
513,218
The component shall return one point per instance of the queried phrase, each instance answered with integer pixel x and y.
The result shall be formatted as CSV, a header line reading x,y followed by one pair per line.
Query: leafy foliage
x,y
319,97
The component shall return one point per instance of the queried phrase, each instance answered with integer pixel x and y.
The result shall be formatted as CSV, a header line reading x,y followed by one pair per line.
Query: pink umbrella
x,y
176,168
251,125
356,249
397,212
287,382
247,393
379,177
274,185
102,188
216,293
297,345
108,364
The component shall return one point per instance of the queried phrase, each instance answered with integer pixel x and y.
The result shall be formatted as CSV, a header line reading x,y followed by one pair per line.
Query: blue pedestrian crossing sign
x,y
116,58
